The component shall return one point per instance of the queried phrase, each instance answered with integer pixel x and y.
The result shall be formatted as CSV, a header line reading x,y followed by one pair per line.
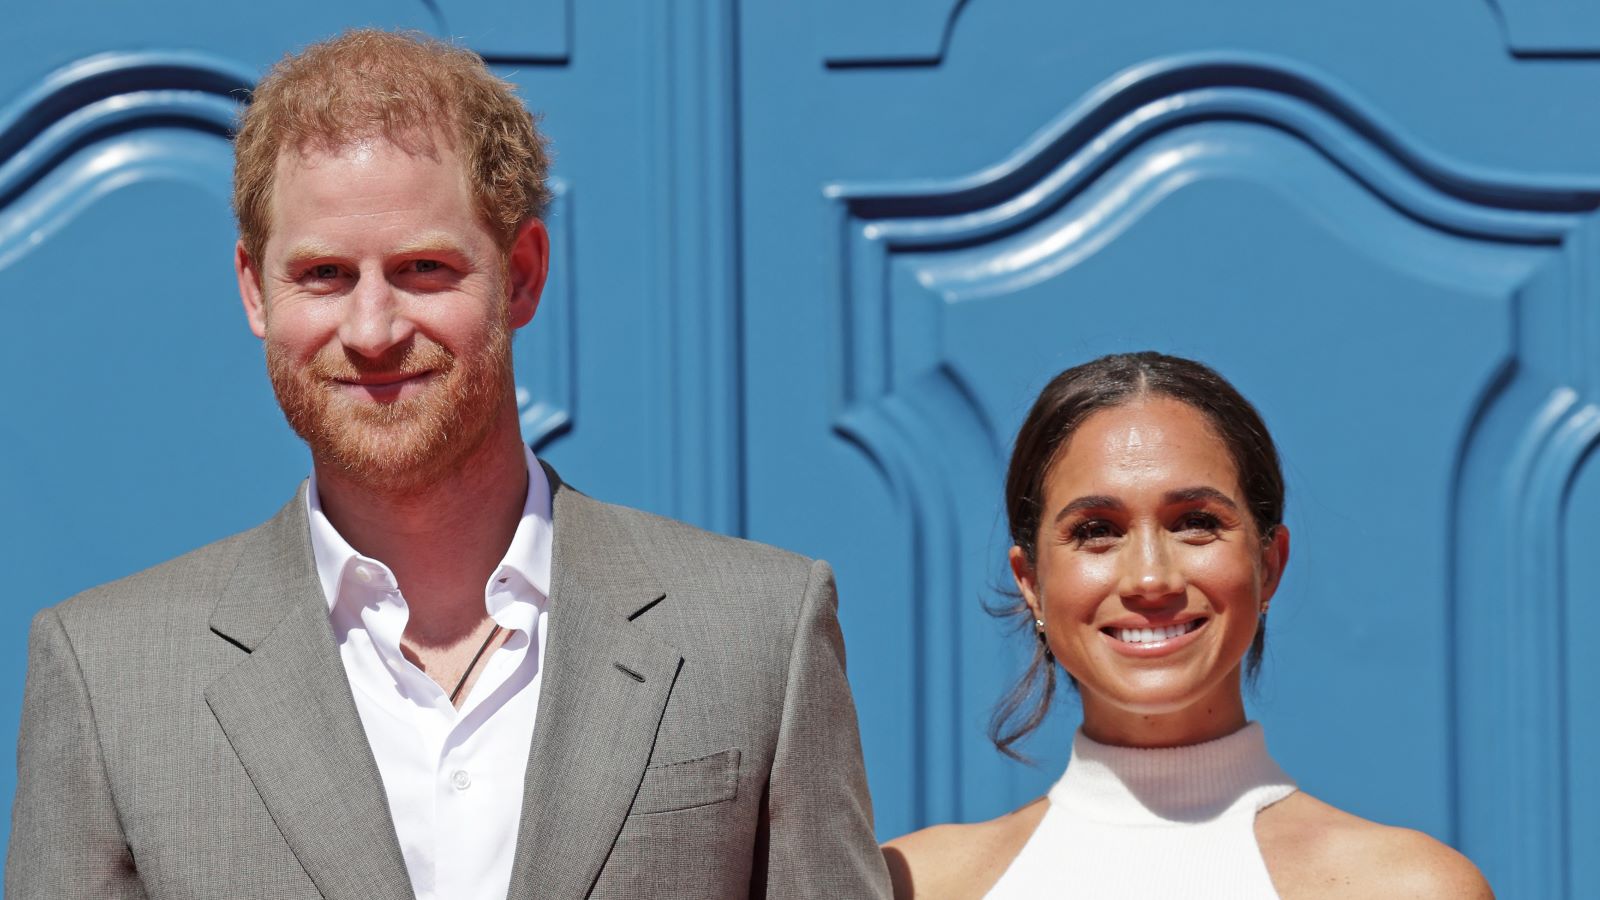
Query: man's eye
x,y
324,272
426,265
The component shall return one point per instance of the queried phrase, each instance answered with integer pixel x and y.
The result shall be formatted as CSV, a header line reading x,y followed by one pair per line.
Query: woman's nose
x,y
1150,573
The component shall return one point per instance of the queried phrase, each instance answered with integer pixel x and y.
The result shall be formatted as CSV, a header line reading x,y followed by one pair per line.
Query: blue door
x,y
812,261
1376,218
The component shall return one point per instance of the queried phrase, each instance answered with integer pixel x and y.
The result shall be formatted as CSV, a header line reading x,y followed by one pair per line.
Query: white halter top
x,y
1130,823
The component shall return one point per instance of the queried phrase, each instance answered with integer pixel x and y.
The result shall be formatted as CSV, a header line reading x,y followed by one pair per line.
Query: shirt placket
x,y
463,771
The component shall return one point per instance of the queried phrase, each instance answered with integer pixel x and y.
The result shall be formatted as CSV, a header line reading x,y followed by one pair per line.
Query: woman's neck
x,y
1217,715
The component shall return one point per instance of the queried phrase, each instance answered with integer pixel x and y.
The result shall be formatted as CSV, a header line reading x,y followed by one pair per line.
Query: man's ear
x,y
1274,557
1027,581
255,307
527,266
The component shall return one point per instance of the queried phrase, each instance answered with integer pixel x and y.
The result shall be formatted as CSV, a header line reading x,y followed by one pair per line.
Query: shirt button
x,y
364,574
461,780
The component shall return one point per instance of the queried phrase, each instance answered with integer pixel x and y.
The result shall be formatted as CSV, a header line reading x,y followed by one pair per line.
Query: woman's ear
x,y
1274,557
1027,583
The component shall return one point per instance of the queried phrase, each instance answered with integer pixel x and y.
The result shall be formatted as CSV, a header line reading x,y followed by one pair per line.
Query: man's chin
x,y
398,458
388,474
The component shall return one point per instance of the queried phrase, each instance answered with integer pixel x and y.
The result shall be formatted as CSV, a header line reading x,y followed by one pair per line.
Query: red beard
x,y
406,443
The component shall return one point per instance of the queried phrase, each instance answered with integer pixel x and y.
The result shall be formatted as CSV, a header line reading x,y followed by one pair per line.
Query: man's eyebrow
x,y
1092,501
433,243
307,250
440,244
1192,494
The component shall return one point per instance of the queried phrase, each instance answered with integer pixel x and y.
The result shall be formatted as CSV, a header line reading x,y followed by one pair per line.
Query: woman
x,y
1146,511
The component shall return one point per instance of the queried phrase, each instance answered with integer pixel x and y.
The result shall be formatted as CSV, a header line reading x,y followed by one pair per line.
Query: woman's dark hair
x,y
1064,404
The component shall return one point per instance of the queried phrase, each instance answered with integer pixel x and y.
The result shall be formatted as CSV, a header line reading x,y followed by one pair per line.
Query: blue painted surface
x,y
1581,564
1376,219
811,262
1550,27
510,31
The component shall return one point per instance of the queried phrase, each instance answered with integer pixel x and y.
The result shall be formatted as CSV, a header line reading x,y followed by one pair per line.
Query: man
x,y
439,670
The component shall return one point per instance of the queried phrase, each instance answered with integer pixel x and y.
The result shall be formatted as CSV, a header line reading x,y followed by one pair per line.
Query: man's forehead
x,y
363,146
370,178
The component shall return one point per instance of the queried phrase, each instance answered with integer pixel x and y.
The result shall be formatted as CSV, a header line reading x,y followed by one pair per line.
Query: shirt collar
x,y
527,559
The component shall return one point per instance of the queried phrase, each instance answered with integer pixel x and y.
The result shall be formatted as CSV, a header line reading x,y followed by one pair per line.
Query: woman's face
x,y
1150,573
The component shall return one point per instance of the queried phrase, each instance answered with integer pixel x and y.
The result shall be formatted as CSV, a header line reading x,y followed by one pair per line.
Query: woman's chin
x,y
1154,691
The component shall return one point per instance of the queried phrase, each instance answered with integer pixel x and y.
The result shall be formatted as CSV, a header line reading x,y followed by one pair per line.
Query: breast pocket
x,y
685,785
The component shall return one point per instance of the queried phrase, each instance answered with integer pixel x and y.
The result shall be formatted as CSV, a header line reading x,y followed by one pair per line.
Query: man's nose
x,y
1150,572
374,319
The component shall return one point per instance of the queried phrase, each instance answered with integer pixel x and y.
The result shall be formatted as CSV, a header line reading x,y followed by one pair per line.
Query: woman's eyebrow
x,y
1192,494
1092,501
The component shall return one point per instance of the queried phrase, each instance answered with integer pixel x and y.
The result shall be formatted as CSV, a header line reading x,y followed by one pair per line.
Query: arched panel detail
x,y
94,125
1549,27
898,434
1529,449
1134,106
510,33
1121,152
899,33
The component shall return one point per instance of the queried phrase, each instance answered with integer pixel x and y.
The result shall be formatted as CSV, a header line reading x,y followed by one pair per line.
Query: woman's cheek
x,y
1080,584
1223,576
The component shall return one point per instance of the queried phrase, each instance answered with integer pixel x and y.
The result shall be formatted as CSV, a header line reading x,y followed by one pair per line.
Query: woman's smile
x,y
1154,641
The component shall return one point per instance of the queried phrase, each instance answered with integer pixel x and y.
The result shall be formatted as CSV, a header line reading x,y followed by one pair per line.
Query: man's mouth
x,y
1154,635
385,379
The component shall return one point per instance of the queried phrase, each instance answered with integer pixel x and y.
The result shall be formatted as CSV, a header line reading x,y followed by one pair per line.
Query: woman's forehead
x,y
1144,444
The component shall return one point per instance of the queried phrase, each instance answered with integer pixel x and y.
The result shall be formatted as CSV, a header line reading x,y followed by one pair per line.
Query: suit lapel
x,y
604,687
289,714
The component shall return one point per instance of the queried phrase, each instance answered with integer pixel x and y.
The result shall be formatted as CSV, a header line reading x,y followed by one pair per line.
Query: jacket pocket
x,y
685,785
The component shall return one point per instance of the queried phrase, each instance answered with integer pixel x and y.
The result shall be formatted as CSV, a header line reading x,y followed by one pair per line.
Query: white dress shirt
x,y
454,778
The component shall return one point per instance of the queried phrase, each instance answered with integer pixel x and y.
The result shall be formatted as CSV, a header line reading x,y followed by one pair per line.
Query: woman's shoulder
x,y
954,862
1314,850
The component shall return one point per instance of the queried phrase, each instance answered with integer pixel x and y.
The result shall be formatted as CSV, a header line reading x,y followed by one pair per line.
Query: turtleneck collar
x,y
1171,785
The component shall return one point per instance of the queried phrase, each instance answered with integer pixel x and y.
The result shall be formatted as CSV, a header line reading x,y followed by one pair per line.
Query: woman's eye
x,y
1094,530
1199,521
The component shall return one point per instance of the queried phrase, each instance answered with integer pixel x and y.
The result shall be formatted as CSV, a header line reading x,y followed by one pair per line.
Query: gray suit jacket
x,y
188,732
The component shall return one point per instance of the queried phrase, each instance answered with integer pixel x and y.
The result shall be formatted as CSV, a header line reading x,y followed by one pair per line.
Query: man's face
x,y
386,306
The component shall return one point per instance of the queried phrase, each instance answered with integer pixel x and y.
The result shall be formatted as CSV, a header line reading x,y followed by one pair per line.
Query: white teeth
x,y
1151,635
